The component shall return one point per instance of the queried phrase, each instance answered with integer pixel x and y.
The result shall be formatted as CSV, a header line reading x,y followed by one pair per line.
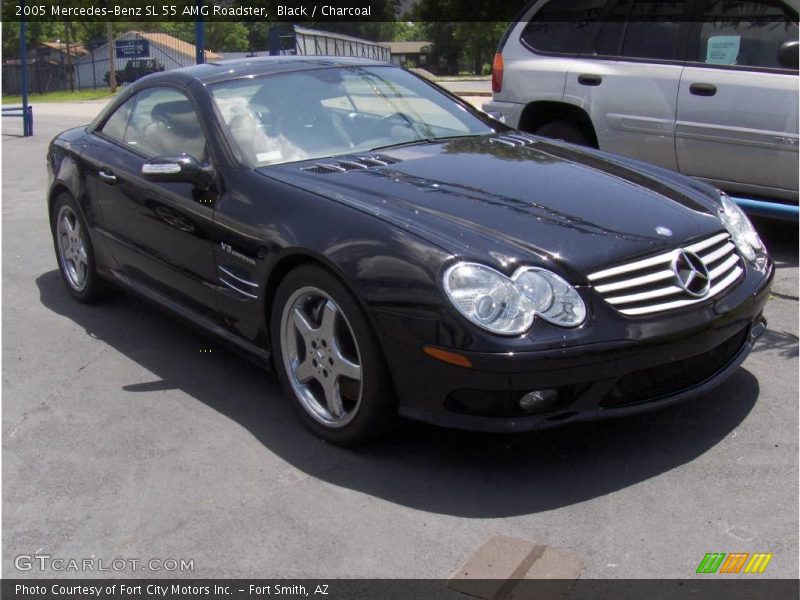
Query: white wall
x,y
169,57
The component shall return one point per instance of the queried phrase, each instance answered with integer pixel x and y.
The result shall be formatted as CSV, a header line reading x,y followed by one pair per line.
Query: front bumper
x,y
593,380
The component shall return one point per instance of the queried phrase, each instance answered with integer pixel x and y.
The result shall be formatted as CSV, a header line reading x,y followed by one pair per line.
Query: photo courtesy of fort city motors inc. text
x,y
400,299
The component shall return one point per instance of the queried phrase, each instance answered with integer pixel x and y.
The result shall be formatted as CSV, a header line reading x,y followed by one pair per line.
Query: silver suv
x,y
705,87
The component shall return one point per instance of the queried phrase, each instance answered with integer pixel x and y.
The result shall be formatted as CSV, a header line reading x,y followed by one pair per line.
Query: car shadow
x,y
423,467
781,343
780,238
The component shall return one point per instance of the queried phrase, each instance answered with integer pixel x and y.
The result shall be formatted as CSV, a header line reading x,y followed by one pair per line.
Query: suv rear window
x,y
563,26
643,29
744,33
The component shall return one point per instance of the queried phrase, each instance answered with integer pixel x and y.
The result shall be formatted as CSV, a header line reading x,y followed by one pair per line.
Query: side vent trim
x,y
238,284
513,139
351,163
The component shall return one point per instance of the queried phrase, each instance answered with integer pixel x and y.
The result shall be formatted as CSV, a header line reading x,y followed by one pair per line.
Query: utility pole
x,y
112,74
199,37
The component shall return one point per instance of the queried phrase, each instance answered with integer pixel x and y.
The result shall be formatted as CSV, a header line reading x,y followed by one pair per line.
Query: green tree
x,y
478,42
471,42
407,31
257,36
223,36
36,32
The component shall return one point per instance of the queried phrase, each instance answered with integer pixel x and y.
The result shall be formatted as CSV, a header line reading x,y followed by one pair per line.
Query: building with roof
x,y
50,68
165,50
60,52
412,54
302,41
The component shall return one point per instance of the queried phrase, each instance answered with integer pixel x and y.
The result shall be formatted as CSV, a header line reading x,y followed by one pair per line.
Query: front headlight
x,y
743,234
508,306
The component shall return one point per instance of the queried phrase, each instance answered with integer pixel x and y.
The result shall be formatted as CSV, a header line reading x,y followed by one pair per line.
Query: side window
x,y
117,123
563,26
747,33
164,123
643,29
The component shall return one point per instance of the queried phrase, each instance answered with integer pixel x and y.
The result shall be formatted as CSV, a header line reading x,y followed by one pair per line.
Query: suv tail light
x,y
497,73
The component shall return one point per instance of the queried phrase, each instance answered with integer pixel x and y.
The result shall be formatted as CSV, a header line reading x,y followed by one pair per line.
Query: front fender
x,y
390,270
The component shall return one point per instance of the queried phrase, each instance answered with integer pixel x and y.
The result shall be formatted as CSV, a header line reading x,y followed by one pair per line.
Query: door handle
x,y
703,89
109,178
587,79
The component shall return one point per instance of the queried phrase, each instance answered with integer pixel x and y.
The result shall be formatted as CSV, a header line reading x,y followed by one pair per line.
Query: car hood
x,y
483,198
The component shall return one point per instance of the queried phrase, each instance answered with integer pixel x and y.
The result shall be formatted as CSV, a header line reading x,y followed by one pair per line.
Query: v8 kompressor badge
x,y
229,249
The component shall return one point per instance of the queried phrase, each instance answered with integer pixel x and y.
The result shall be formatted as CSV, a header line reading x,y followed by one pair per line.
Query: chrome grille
x,y
650,285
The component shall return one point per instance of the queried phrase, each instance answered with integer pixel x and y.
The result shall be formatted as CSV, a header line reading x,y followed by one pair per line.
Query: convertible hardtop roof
x,y
225,70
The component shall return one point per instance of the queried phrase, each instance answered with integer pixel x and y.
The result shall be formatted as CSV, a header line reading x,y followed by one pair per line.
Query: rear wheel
x,y
74,251
328,359
566,131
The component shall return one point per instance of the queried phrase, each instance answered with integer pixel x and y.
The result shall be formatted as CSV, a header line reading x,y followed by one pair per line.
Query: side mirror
x,y
788,54
184,169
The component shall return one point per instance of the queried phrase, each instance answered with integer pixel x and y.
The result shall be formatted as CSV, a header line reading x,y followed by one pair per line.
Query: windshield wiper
x,y
429,140
455,137
401,144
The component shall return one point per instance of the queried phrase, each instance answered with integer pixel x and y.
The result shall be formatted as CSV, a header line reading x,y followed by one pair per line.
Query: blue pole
x,y
27,125
773,210
200,37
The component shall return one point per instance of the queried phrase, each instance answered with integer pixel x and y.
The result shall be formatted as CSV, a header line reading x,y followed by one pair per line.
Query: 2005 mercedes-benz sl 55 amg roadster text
x,y
389,249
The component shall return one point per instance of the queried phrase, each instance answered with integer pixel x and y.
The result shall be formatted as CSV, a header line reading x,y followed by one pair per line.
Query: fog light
x,y
537,400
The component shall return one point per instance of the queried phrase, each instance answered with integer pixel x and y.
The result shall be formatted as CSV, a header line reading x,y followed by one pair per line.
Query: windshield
x,y
340,110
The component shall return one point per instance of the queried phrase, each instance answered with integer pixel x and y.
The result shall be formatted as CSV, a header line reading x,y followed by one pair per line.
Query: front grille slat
x,y
715,289
667,291
716,254
636,281
648,285
662,259
724,267
699,246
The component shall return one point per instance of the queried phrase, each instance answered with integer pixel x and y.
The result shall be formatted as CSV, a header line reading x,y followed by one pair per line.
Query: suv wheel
x,y
566,131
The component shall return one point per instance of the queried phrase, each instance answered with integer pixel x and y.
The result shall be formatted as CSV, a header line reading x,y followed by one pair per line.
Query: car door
x,y
628,80
737,105
160,233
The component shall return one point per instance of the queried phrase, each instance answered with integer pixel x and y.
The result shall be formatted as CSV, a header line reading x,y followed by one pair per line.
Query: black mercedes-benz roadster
x,y
389,249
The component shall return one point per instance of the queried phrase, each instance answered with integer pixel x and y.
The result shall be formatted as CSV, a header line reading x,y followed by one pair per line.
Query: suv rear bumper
x,y
511,111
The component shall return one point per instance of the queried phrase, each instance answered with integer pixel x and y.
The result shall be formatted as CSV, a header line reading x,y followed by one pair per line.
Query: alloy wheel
x,y
321,357
72,248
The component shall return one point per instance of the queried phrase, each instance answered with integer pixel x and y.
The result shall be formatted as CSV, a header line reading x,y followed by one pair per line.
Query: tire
x,y
315,316
566,131
74,251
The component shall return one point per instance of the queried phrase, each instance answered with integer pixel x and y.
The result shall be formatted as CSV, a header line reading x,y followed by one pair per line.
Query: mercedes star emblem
x,y
691,273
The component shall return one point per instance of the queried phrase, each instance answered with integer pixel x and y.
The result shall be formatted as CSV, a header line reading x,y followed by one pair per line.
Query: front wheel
x,y
328,359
